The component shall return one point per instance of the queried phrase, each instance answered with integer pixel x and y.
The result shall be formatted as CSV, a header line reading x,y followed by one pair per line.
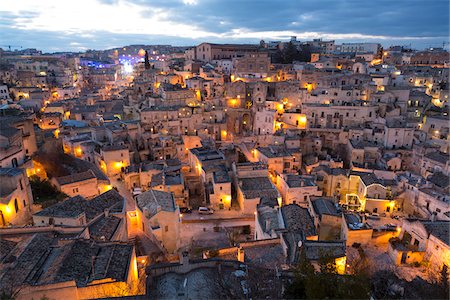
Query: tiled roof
x,y
438,156
324,206
257,187
268,218
154,200
75,177
298,219
316,249
439,229
73,207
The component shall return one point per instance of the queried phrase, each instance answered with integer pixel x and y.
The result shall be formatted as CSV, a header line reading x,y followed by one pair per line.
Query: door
x,y
404,256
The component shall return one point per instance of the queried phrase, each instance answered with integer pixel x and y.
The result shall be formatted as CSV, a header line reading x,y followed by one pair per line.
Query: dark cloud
x,y
428,21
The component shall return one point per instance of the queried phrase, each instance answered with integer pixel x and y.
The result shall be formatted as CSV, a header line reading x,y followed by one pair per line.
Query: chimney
x,y
163,179
106,212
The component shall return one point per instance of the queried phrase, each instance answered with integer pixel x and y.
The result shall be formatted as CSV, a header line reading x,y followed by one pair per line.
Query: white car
x,y
205,211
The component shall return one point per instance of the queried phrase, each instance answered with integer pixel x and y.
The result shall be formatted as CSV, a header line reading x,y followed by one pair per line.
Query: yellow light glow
x,y
375,62
302,121
278,125
198,95
157,84
280,201
119,164
78,151
108,187
232,78
7,209
224,133
340,264
56,133
309,87
232,102
280,108
103,166
141,52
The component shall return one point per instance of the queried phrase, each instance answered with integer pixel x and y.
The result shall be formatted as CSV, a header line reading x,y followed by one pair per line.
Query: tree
x,y
146,61
44,192
308,284
302,274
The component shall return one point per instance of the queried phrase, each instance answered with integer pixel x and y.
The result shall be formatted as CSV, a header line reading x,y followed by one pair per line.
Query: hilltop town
x,y
284,169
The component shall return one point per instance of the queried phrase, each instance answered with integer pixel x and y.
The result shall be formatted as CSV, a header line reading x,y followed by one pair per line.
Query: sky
x,y
78,25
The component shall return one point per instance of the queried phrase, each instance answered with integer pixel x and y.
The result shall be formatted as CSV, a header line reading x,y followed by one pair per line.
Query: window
x,y
220,188
21,185
166,228
16,205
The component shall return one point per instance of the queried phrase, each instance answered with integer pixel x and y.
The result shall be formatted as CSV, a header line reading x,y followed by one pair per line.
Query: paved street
x,y
120,185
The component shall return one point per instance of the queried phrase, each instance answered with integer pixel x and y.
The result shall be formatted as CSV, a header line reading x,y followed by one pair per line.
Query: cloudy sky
x,y
77,25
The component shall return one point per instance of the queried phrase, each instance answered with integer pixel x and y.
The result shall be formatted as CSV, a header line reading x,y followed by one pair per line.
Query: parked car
x,y
205,210
185,210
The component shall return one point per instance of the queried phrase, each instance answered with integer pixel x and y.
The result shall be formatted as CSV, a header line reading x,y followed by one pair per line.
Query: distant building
x,y
208,52
159,217
16,199
358,47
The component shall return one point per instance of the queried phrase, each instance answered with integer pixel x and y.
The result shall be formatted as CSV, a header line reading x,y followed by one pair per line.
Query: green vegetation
x,y
291,53
44,193
327,284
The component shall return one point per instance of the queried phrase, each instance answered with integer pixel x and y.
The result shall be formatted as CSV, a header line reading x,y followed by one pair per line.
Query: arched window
x,y
14,163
